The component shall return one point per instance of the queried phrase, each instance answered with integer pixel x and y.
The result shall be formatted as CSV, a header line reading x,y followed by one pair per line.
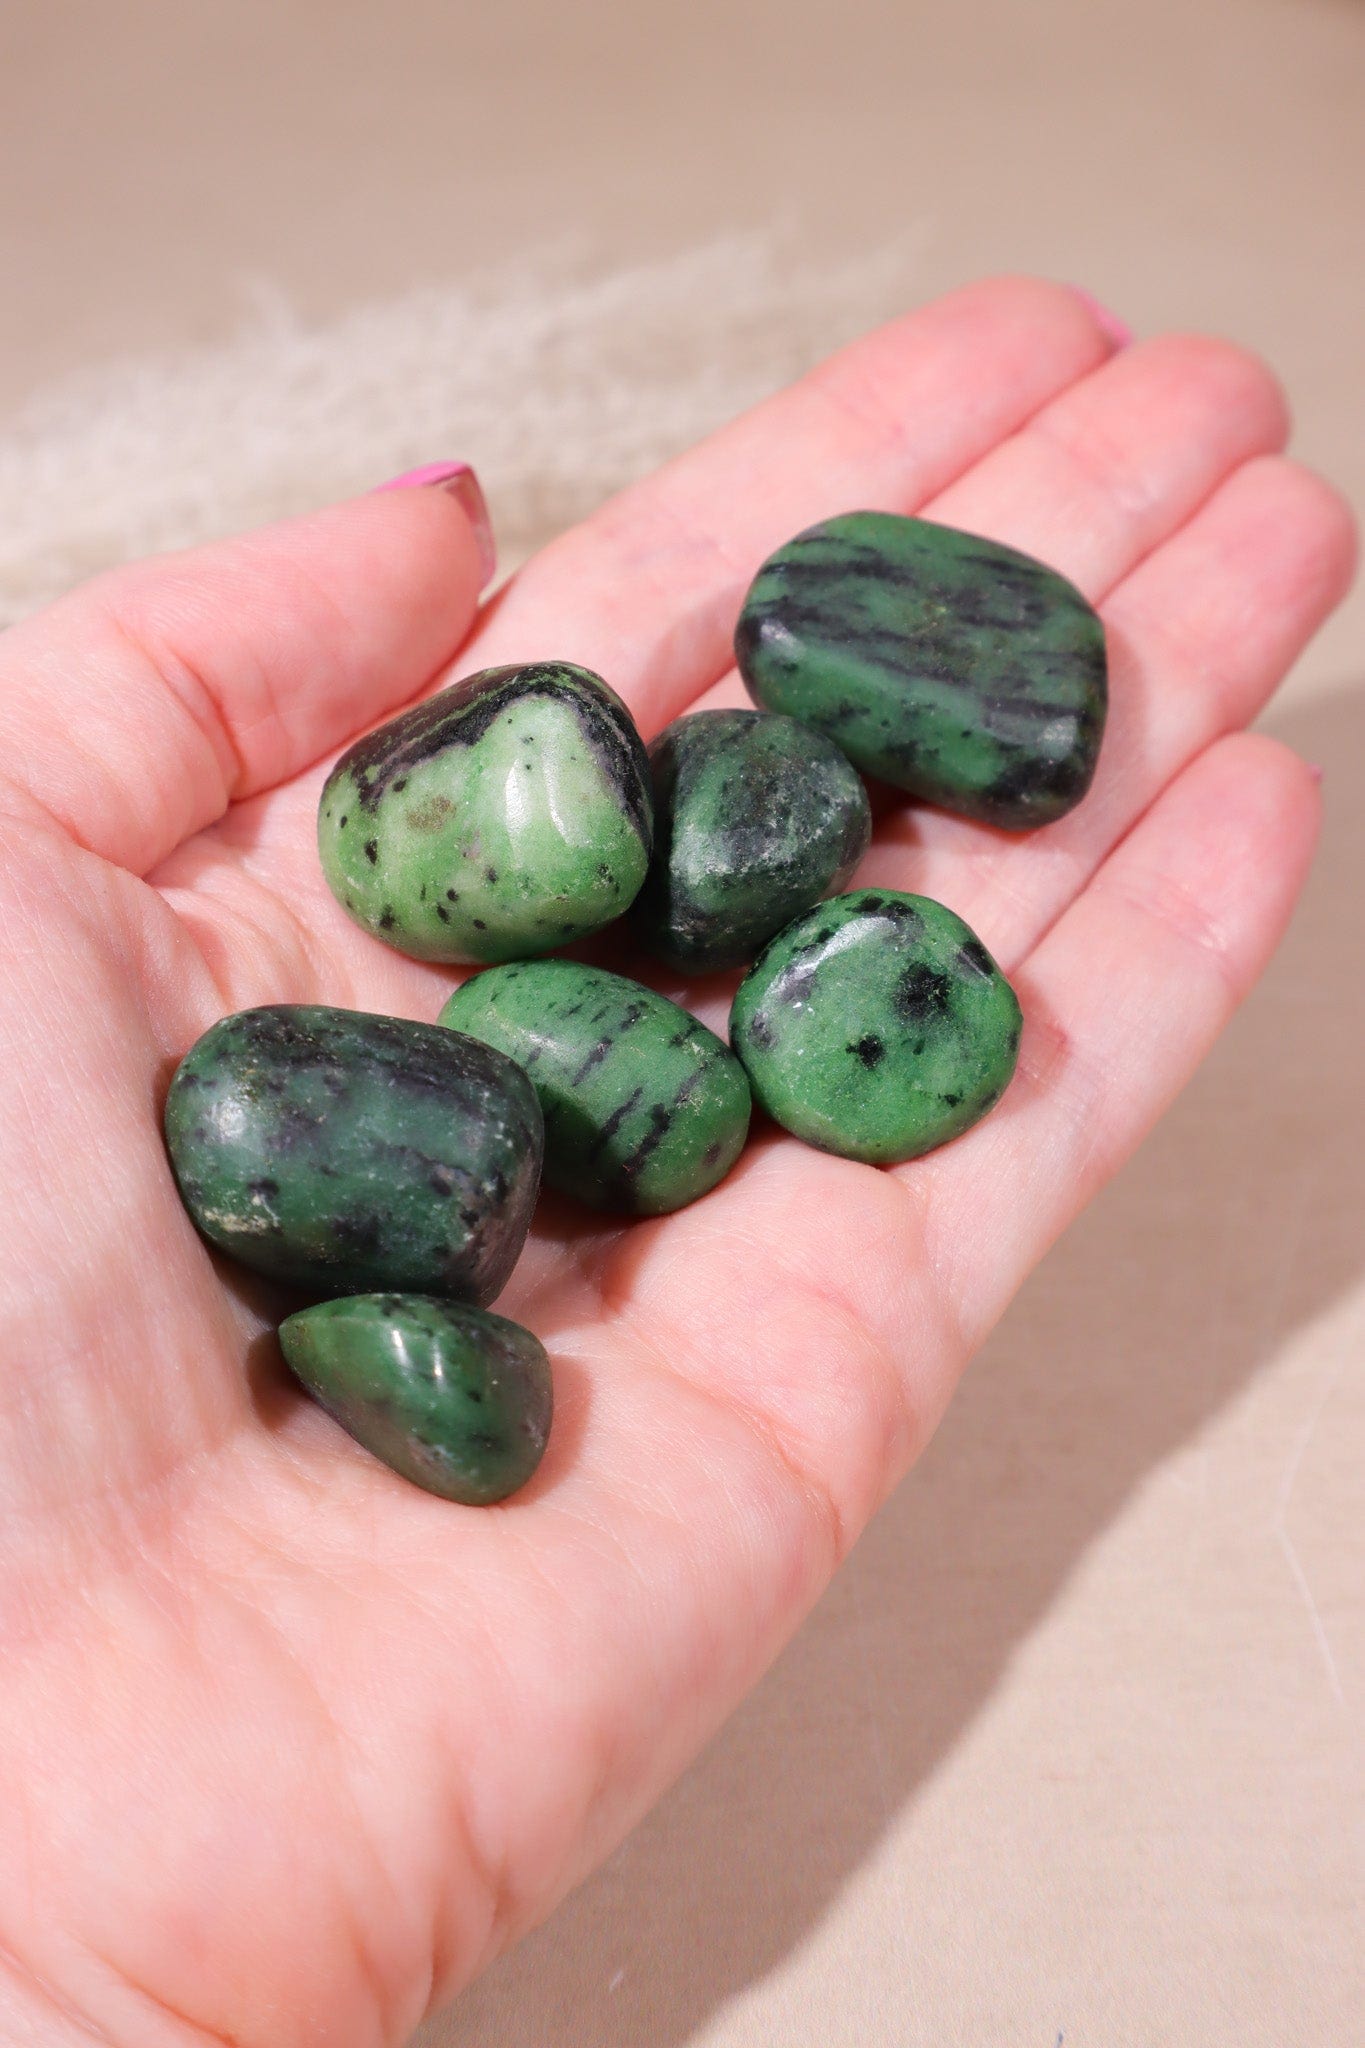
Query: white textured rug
x,y
560,381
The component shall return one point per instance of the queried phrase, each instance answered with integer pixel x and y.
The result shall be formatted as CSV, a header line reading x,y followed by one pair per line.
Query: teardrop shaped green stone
x,y
453,1398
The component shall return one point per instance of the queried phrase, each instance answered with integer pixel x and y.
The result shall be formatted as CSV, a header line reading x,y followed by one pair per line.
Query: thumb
x,y
134,710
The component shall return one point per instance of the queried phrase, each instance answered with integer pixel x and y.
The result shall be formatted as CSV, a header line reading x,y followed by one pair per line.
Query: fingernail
x,y
460,481
1118,331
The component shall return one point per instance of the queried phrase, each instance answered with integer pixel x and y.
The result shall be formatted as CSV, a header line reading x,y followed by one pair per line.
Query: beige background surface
x,y
1072,1752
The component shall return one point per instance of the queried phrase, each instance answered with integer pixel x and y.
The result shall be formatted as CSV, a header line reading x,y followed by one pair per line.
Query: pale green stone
x,y
500,819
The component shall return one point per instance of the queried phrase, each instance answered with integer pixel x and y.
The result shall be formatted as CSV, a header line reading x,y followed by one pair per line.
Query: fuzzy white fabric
x,y
558,380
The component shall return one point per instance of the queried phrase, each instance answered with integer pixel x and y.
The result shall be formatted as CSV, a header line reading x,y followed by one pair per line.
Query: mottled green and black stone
x,y
756,817
645,1109
877,1026
952,667
457,1400
345,1152
498,819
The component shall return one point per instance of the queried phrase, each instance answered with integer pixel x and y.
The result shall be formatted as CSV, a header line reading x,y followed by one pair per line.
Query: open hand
x,y
289,1749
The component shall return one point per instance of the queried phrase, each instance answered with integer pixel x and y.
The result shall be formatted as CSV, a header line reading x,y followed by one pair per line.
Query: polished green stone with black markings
x,y
496,820
344,1151
952,667
645,1109
756,817
455,1399
877,1026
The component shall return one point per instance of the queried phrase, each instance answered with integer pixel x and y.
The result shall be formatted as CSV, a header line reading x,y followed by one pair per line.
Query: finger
x,y
135,710
1200,635
1121,1002
646,591
1120,461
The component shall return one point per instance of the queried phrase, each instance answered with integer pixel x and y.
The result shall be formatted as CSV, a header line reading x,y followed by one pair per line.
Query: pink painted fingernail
x,y
460,481
1118,331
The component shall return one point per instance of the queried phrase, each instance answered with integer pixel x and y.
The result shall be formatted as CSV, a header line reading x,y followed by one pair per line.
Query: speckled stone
x,y
756,817
645,1109
345,1152
954,668
877,1026
503,817
457,1400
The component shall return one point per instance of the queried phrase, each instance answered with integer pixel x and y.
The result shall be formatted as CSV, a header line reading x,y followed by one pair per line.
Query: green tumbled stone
x,y
645,1109
954,668
756,817
503,817
455,1399
877,1026
344,1151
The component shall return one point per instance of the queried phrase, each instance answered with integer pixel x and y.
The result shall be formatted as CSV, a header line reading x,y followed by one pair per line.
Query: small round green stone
x,y
877,1026
453,1398
644,1108
950,666
499,819
756,817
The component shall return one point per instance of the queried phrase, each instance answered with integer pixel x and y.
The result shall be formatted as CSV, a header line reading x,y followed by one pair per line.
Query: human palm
x,y
288,1749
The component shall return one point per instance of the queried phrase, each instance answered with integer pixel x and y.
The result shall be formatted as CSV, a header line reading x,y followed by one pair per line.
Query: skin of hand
x,y
289,1749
